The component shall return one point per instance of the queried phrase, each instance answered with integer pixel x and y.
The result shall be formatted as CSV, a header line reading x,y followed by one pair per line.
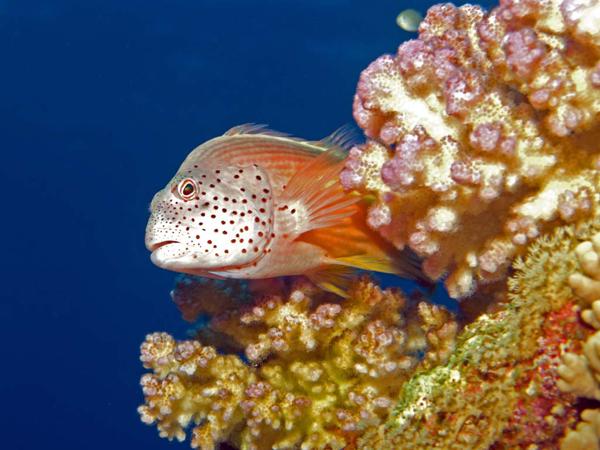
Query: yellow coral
x,y
587,285
322,372
586,435
580,373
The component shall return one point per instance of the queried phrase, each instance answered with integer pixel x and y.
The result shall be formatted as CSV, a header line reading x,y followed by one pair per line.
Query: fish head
x,y
211,218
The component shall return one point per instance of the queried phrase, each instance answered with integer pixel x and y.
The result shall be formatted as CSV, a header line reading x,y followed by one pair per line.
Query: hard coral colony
x,y
481,157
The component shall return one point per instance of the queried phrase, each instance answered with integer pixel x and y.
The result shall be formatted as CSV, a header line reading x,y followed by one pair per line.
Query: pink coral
x,y
482,134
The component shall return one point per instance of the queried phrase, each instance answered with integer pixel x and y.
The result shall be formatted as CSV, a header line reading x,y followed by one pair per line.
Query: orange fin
x,y
406,265
352,243
316,192
368,262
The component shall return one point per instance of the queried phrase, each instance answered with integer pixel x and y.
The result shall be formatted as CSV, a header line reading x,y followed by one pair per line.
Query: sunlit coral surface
x,y
483,134
482,157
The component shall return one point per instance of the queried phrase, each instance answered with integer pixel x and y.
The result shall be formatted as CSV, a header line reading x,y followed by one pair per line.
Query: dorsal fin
x,y
345,137
280,154
254,128
245,145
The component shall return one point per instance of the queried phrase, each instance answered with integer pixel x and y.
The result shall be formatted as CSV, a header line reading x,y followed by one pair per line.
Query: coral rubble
x,y
483,134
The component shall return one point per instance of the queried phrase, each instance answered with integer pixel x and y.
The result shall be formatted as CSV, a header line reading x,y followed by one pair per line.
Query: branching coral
x,y
322,371
500,387
483,134
580,372
586,435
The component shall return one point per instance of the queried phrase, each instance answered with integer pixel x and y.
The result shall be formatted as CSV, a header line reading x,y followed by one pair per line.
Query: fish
x,y
258,204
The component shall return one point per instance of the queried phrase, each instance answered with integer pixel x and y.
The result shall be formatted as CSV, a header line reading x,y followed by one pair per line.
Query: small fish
x,y
256,204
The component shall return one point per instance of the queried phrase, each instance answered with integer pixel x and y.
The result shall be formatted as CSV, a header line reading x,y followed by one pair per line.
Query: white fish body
x,y
244,205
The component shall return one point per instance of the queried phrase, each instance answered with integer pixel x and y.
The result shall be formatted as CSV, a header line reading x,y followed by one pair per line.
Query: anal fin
x,y
333,278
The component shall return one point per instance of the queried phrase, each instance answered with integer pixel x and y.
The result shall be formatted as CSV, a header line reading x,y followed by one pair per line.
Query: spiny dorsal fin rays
x,y
249,144
345,137
255,128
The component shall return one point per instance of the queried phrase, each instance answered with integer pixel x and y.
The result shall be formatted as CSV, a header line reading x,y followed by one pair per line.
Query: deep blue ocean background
x,y
100,101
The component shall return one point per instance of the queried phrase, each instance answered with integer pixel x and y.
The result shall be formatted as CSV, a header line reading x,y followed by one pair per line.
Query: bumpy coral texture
x,y
504,385
580,372
321,370
483,134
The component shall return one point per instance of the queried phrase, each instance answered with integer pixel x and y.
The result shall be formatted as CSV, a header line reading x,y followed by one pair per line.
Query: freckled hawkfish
x,y
256,204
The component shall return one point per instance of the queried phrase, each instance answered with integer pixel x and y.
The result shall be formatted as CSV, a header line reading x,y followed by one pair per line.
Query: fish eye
x,y
187,189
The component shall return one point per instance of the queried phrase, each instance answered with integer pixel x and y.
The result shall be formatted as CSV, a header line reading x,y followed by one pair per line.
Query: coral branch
x,y
322,371
483,134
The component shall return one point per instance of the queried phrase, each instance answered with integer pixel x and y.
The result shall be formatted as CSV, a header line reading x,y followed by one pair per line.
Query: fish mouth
x,y
161,244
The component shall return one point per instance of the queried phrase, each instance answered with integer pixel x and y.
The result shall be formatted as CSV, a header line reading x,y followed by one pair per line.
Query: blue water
x,y
99,103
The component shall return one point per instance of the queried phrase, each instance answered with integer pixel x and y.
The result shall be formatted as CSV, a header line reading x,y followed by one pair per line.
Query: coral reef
x,y
580,372
483,134
501,387
321,371
378,370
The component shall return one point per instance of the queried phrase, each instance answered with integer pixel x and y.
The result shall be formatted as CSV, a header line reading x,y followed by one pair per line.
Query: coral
x,y
501,388
586,435
580,371
483,134
321,373
195,296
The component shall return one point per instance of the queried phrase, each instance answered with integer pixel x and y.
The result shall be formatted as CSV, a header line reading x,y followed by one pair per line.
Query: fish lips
x,y
166,254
